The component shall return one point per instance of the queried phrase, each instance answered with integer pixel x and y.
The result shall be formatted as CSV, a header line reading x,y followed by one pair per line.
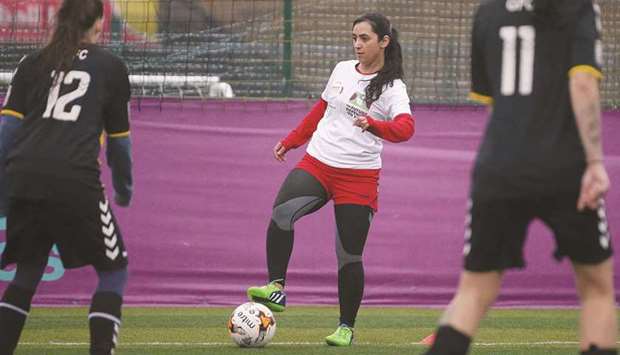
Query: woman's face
x,y
366,43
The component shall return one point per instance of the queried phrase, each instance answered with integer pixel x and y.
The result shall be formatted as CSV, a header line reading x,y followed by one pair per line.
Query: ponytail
x,y
393,66
73,20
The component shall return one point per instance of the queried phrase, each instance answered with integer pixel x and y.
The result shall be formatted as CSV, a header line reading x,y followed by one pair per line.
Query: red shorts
x,y
345,186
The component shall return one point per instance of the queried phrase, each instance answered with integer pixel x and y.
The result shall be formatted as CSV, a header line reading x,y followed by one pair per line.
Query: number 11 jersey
x,y
521,65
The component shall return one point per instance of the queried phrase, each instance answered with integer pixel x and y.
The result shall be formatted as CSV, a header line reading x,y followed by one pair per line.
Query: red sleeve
x,y
400,129
302,133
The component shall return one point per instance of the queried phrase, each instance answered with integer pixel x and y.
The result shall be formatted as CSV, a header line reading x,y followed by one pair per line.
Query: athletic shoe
x,y
343,336
270,295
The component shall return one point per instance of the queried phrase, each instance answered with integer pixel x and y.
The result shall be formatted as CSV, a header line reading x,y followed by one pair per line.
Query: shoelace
x,y
344,331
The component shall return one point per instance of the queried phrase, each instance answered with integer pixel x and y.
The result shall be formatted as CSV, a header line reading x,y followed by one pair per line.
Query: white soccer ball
x,y
251,325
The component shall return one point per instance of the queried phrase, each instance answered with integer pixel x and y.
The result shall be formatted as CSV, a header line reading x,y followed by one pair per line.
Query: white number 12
x,y
527,35
56,106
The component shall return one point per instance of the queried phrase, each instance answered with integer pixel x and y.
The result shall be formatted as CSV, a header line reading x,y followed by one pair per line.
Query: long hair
x,y
557,13
393,66
73,20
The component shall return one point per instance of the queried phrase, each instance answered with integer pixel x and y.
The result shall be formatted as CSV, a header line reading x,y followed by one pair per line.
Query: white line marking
x,y
534,343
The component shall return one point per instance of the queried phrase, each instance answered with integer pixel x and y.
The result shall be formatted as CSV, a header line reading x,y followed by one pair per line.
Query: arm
x,y
118,151
8,128
585,71
584,74
118,155
11,119
400,129
302,133
586,106
585,98
480,86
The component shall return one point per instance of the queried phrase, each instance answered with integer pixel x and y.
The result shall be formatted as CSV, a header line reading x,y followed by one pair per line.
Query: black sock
x,y
14,309
594,350
449,341
279,249
104,320
350,291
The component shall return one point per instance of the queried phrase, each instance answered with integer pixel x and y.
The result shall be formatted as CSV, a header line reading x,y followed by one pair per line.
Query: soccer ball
x,y
251,325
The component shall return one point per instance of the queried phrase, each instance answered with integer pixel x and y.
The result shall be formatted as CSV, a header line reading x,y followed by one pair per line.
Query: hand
x,y
279,151
122,201
362,122
594,184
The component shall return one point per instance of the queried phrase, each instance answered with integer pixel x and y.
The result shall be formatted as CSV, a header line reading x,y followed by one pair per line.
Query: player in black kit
x,y
537,63
60,102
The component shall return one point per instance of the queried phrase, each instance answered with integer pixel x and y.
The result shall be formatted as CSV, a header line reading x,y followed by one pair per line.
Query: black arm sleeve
x,y
480,87
587,50
116,114
15,100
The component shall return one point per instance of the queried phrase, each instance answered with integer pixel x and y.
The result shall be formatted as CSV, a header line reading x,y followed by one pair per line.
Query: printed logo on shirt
x,y
336,89
357,105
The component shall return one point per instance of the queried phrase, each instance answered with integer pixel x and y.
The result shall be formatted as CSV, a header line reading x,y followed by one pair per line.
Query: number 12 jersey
x,y
63,119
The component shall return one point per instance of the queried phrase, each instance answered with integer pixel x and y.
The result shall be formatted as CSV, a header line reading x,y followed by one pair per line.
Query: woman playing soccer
x,y
364,102
60,101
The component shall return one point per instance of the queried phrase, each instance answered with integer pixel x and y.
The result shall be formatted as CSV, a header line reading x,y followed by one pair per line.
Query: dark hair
x,y
73,20
557,13
393,67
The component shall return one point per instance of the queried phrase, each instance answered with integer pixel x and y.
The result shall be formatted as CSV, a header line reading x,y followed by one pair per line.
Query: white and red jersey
x,y
336,141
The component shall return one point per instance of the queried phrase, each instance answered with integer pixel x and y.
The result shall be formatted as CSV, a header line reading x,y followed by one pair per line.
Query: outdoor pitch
x,y
300,330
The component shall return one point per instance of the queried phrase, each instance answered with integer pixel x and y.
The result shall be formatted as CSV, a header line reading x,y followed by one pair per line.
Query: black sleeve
x,y
116,114
587,50
480,87
118,154
15,100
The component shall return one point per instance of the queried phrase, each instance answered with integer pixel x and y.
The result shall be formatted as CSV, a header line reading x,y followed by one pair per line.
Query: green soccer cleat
x,y
343,336
270,295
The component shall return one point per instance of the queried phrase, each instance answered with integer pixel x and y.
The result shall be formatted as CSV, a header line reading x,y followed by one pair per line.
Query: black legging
x,y
301,194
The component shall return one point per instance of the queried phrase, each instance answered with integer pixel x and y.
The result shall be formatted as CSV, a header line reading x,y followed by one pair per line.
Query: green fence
x,y
284,48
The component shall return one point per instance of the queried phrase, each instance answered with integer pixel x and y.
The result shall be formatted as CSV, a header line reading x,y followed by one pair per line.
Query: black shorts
x,y
496,230
81,225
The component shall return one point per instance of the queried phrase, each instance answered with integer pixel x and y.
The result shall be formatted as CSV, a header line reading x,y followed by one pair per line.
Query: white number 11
x,y
527,35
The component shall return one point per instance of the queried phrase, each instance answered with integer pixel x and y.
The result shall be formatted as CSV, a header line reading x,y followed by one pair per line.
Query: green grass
x,y
300,331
